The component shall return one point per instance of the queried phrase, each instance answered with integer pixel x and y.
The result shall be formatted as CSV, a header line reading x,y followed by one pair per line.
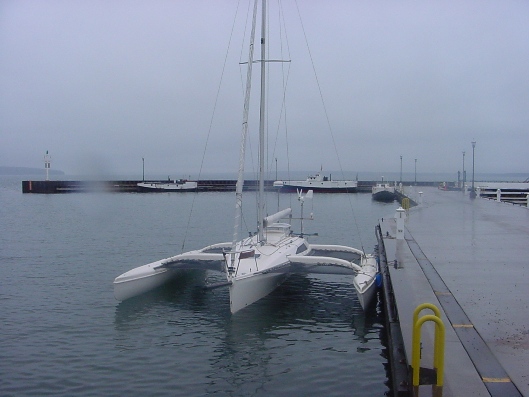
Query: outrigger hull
x,y
148,277
140,280
364,273
366,293
365,281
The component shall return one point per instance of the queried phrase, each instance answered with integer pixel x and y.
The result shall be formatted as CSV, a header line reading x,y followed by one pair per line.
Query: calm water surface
x,y
63,333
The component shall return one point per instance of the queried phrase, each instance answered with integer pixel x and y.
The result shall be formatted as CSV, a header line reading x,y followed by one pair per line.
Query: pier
x,y
515,193
468,258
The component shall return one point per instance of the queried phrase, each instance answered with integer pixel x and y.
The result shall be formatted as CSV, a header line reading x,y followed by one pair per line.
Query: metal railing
x,y
439,343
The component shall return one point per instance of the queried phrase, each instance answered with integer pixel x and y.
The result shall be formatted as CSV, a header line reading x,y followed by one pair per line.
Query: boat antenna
x,y
301,199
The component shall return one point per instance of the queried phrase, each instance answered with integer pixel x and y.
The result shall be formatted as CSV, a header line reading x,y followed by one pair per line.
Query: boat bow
x,y
147,277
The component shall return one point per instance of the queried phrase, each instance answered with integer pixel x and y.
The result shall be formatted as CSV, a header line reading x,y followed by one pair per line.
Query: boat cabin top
x,y
277,231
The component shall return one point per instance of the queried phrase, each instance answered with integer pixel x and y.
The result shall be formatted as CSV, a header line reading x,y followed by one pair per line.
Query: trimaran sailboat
x,y
256,265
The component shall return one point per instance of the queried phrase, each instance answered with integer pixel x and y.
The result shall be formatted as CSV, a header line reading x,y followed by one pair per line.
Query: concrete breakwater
x,y
126,186
131,186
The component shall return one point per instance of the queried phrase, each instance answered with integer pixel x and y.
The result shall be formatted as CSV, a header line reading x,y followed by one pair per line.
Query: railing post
x,y
400,217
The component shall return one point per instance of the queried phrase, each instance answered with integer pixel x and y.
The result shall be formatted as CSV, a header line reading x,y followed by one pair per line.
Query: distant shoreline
x,y
407,177
27,171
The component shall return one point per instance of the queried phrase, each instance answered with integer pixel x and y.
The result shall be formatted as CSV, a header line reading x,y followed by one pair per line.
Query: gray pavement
x,y
469,258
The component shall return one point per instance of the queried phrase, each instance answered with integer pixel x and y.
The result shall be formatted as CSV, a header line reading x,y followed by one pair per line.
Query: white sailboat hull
x,y
365,272
245,291
365,281
366,293
140,280
263,267
152,275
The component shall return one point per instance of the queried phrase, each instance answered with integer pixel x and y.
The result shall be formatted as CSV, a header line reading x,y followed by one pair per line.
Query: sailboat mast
x,y
260,200
240,177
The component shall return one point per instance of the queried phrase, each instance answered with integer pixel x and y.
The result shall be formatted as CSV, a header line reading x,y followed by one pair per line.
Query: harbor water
x,y
63,333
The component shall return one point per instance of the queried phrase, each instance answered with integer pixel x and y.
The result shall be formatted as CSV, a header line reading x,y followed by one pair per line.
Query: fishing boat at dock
x,y
319,184
179,185
384,192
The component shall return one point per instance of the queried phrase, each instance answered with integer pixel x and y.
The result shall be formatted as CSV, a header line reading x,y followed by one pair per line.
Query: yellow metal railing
x,y
439,343
406,203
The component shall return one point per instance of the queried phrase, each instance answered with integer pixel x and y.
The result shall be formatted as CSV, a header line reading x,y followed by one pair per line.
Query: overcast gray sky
x,y
101,84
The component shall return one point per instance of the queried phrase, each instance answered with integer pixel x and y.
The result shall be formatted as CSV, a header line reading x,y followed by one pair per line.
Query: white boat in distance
x,y
174,186
256,265
384,192
318,183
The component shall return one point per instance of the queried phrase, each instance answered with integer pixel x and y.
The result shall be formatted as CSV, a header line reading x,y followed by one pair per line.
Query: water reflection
x,y
290,342
185,291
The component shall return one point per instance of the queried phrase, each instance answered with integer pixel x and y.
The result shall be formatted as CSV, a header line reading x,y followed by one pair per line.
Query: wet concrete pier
x,y
470,259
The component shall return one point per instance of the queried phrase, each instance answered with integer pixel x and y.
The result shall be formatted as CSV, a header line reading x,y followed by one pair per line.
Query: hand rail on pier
x,y
439,343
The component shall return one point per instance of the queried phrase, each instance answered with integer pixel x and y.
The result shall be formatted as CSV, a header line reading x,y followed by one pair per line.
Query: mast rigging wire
x,y
328,122
210,126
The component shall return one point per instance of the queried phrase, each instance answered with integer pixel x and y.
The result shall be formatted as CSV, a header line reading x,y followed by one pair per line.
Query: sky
x,y
108,87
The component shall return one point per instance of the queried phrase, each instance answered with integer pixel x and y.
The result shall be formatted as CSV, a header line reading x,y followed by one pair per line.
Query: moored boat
x,y
365,280
179,185
384,192
254,266
318,183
